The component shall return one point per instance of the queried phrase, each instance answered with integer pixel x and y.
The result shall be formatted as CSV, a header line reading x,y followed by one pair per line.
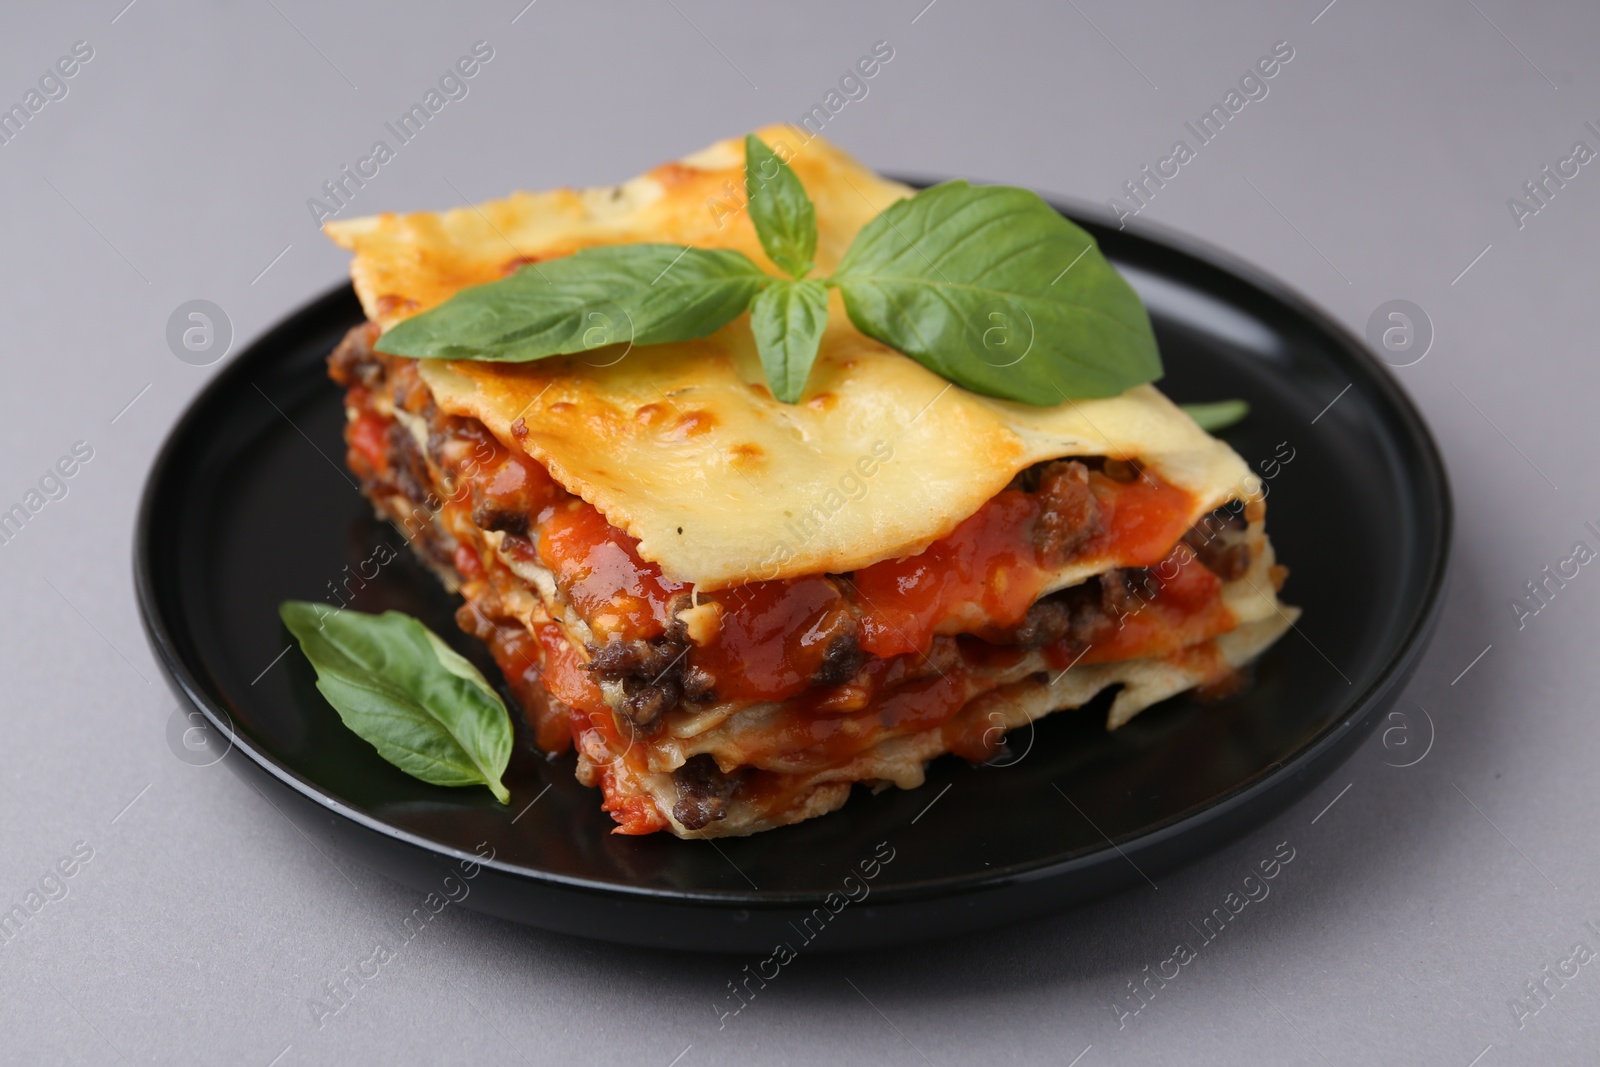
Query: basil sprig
x,y
787,320
991,288
1217,415
616,294
400,688
987,286
785,218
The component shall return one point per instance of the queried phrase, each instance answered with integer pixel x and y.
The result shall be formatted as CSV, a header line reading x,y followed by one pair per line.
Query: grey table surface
x,y
1426,904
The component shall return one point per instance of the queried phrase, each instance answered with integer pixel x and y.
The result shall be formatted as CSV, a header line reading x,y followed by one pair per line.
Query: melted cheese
x,y
683,446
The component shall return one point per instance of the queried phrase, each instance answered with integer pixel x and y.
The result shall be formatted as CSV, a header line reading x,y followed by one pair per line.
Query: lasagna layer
x,y
735,710
732,608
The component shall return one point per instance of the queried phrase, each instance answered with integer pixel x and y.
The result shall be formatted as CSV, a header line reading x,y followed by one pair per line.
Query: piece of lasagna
x,y
734,609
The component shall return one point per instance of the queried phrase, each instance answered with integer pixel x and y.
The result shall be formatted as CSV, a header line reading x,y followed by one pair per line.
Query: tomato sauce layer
x,y
1177,602
987,571
599,568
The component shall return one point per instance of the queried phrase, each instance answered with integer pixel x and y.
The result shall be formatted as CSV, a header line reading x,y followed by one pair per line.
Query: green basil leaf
x,y
641,294
785,218
787,319
400,688
991,288
1218,415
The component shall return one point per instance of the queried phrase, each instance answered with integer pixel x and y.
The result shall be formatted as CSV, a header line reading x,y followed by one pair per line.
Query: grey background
x,y
1378,168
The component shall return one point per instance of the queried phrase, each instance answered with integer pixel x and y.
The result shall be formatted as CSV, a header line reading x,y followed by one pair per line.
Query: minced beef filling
x,y
1219,542
703,792
1070,517
842,657
654,674
353,361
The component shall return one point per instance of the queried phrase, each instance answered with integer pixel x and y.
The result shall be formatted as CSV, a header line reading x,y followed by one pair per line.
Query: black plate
x,y
249,504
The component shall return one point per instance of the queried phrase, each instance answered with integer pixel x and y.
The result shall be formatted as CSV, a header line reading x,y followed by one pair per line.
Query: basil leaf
x,y
1218,415
787,319
400,688
991,288
641,294
786,220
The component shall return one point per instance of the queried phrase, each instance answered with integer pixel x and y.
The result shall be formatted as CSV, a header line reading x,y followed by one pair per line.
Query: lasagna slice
x,y
735,609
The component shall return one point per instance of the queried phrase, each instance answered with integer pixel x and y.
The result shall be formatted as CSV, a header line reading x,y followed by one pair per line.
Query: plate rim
x,y
1425,463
